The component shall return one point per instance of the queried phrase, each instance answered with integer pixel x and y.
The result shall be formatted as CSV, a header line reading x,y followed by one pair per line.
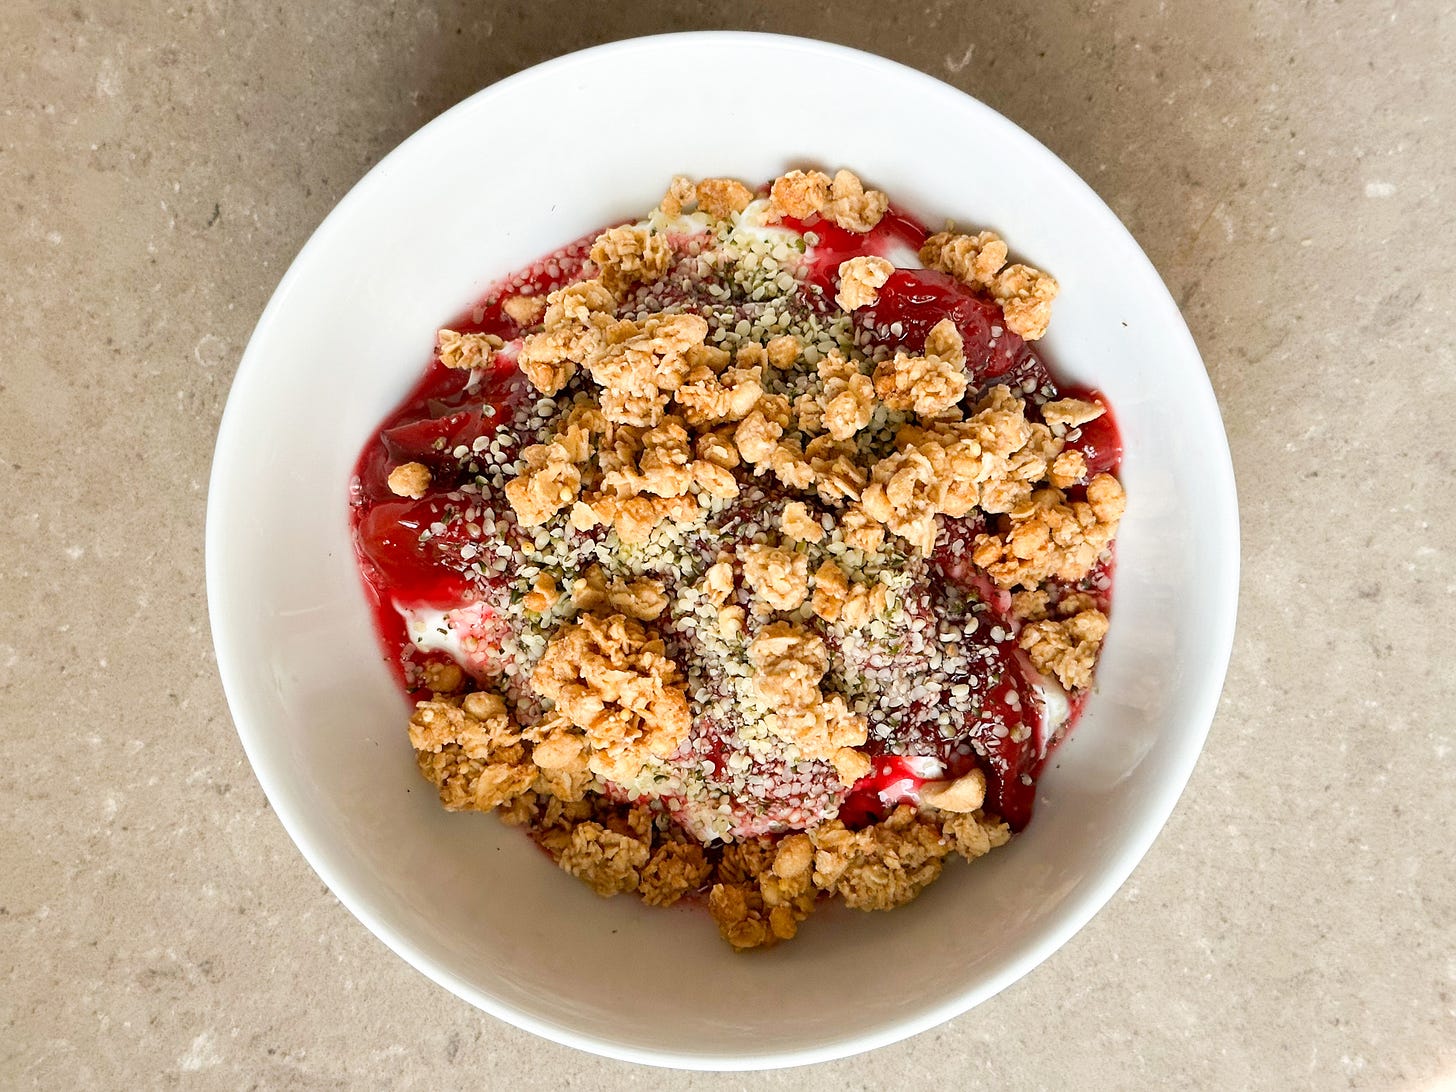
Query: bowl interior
x,y
472,903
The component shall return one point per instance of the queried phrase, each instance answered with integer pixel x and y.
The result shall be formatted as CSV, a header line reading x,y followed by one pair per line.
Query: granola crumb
x,y
1026,296
560,750
680,197
609,676
779,577
1067,413
643,599
764,893
524,310
1066,648
709,397
850,765
639,374
860,530
443,679
883,866
542,596
846,403
1030,606
674,870
972,259
723,198
1067,469
732,622
472,755
800,194
1049,536
629,254
718,582
798,525
739,913
575,327
757,437
853,207
782,351
607,862
831,591
788,663
860,279
949,468
550,482
465,351
931,385
837,599
974,834
410,480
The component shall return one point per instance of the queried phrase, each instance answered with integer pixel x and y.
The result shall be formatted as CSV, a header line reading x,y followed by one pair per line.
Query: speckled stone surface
x,y
1289,168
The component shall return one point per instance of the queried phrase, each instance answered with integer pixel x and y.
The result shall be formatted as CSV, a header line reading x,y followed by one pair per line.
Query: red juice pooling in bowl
x,y
684,561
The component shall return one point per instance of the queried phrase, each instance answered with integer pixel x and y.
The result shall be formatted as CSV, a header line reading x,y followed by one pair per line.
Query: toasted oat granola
x,y
766,598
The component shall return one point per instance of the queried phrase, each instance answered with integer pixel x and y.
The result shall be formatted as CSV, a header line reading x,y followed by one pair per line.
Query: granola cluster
x,y
733,553
1025,294
843,199
765,891
609,677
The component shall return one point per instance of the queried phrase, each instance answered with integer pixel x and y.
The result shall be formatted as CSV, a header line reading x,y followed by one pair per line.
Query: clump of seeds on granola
x,y
704,528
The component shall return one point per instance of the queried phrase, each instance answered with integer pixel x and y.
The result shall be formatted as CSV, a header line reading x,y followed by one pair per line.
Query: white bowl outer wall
x,y
471,903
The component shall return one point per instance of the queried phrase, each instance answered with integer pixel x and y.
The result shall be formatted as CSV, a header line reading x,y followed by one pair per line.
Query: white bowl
x,y
505,177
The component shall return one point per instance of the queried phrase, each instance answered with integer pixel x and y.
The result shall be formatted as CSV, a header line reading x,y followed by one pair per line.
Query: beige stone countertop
x,y
1290,169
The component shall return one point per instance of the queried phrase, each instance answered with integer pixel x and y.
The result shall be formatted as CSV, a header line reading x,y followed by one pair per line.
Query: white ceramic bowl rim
x,y
1200,700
